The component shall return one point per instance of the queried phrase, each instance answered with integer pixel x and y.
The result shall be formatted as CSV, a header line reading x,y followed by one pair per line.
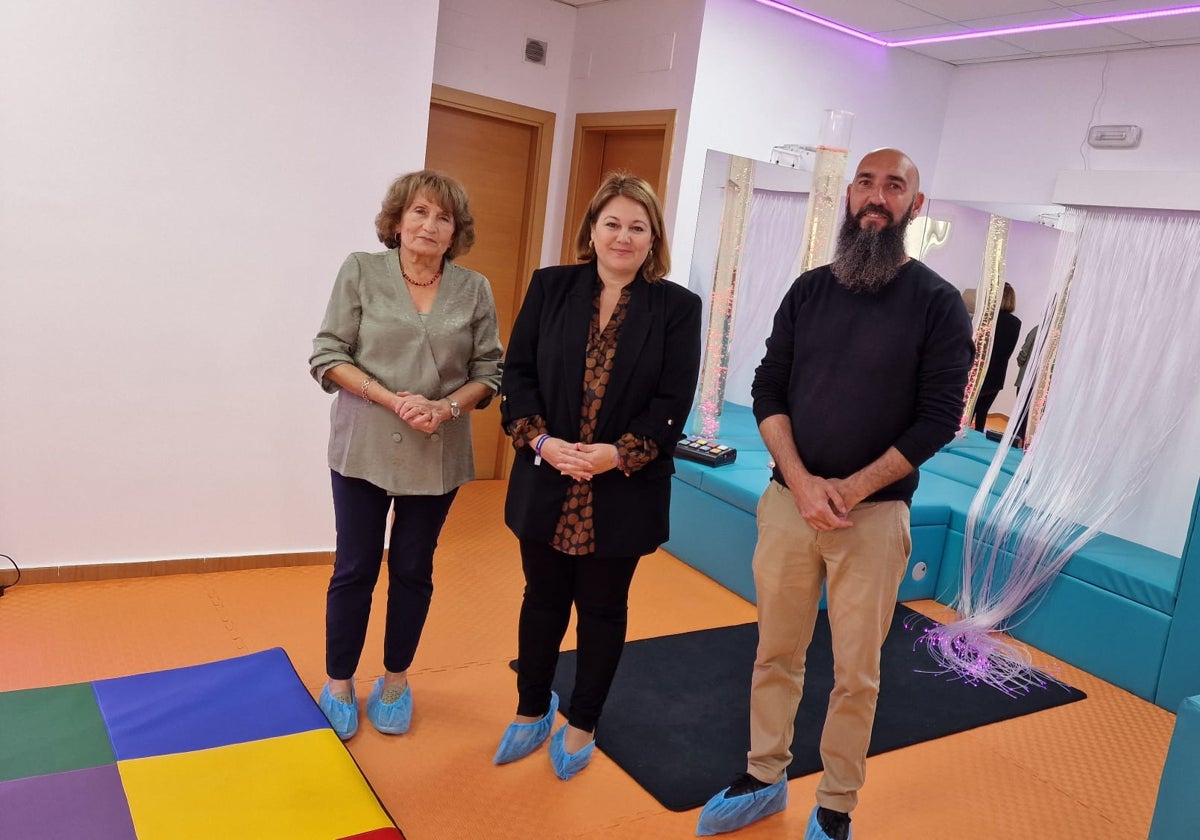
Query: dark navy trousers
x,y
361,513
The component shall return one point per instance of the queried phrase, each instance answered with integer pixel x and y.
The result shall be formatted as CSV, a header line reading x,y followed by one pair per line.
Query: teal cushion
x,y
956,496
1127,569
713,538
1177,809
965,470
1105,634
1124,568
689,472
739,487
926,512
978,448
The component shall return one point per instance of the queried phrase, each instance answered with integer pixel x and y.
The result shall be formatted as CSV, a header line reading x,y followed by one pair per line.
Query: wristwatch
x,y
455,413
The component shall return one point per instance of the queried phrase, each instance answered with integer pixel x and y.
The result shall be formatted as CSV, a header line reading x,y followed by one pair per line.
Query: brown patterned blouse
x,y
575,532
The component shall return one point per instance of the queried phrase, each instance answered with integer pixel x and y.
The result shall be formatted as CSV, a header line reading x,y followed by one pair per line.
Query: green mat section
x,y
61,730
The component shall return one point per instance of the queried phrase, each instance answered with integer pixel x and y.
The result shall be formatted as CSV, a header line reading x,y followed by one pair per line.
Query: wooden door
x,y
500,152
635,141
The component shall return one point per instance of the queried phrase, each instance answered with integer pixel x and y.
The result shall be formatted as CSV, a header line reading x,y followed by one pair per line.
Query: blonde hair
x,y
626,184
449,195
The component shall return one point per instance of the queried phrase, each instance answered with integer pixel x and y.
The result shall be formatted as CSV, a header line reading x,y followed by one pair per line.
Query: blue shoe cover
x,y
343,717
568,764
814,830
720,814
390,718
521,739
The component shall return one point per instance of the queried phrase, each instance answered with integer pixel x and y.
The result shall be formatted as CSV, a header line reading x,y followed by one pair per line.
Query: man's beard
x,y
867,260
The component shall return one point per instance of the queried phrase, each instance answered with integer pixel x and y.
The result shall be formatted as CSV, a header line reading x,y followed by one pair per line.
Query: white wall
x,y
641,55
765,78
181,182
1011,127
623,55
1002,143
481,49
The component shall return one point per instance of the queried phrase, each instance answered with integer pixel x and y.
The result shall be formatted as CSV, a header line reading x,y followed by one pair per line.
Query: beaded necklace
x,y
429,282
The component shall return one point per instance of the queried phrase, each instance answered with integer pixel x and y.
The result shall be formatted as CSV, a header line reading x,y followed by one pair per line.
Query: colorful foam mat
x,y
235,748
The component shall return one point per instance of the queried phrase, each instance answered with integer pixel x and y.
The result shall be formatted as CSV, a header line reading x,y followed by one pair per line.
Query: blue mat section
x,y
199,707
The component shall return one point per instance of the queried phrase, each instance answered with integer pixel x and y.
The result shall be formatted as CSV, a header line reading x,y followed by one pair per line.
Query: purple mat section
x,y
79,804
233,701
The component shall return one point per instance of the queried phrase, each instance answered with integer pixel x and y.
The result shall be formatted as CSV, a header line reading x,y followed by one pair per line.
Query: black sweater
x,y
859,373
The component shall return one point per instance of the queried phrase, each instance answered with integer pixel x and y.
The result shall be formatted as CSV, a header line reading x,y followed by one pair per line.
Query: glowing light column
x,y
826,196
987,304
738,190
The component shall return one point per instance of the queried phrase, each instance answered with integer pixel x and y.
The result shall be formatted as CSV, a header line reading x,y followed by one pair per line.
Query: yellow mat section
x,y
297,787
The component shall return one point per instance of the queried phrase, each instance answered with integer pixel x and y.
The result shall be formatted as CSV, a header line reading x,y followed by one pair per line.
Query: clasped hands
x,y
581,461
825,503
421,414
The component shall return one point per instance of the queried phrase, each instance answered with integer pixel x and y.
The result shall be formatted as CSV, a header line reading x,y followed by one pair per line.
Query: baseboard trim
x,y
181,566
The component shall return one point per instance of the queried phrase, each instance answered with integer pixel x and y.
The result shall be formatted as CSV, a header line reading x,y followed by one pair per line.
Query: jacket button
x,y
670,421
434,436
396,436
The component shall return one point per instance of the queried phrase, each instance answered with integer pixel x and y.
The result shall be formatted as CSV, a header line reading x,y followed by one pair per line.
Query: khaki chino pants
x,y
862,568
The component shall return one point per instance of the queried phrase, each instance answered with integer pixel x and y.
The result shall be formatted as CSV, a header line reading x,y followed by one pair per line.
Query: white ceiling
x,y
893,20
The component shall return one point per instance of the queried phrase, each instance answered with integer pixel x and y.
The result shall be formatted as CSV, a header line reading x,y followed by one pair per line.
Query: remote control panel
x,y
705,451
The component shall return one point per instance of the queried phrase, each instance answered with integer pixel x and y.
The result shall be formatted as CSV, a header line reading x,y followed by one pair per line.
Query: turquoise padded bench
x,y
713,525
1180,674
1109,611
1122,611
1177,811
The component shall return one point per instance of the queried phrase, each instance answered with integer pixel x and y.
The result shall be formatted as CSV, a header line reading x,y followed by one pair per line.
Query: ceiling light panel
x,y
868,16
968,9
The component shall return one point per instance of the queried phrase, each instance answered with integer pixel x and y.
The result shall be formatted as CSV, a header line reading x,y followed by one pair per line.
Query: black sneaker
x,y
834,823
744,783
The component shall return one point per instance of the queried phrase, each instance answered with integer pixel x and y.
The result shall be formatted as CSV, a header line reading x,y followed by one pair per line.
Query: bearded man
x,y
862,381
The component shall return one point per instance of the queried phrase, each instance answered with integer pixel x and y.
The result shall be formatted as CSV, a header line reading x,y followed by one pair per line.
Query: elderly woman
x,y
598,382
410,347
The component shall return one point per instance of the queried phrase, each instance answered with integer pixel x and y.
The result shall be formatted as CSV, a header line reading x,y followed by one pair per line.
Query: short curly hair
x,y
441,188
658,262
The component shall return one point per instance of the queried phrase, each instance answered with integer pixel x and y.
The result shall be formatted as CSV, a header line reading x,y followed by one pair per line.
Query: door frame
x,y
542,123
590,131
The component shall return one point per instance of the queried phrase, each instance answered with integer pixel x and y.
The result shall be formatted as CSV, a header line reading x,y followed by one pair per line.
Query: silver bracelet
x,y
366,386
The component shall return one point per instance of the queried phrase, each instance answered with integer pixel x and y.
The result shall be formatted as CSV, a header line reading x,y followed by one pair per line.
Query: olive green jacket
x,y
371,322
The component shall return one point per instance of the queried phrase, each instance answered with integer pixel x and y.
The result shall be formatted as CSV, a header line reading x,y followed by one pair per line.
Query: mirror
x,y
956,253
768,261
949,236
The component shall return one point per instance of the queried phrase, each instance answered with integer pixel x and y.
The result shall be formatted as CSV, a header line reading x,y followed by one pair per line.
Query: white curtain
x,y
1126,372
774,236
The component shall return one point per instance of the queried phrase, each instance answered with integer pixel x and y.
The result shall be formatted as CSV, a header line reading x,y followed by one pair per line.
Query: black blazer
x,y
649,394
1008,331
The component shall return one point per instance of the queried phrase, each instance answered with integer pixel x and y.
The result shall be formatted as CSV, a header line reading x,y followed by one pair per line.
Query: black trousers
x,y
599,589
361,511
983,404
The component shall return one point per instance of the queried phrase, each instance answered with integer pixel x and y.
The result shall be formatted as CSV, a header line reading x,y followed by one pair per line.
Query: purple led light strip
x,y
983,33
792,10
